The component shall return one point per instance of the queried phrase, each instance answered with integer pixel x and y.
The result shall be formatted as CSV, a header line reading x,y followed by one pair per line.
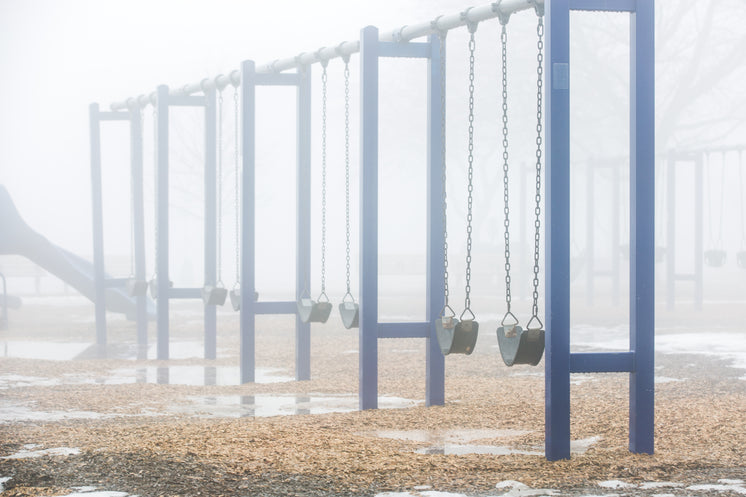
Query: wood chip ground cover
x,y
144,447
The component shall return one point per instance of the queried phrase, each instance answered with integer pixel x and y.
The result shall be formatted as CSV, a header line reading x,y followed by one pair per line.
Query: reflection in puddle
x,y
163,375
456,442
240,406
193,375
460,450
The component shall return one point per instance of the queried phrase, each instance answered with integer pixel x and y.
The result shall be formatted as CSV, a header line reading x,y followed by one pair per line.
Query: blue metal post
x,y
138,221
303,221
162,221
248,145
642,230
98,225
368,331
557,319
211,218
435,362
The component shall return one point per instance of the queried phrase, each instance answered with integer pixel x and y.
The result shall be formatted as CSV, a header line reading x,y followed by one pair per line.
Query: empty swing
x,y
309,310
134,287
458,336
348,308
215,294
741,255
235,293
519,345
715,255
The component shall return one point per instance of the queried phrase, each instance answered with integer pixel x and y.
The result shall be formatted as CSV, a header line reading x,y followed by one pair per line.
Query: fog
x,y
58,57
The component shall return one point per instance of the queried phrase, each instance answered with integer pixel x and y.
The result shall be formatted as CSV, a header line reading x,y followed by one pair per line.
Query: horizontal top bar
x,y
441,24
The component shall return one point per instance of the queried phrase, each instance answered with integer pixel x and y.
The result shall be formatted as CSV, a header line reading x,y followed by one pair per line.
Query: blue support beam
x,y
557,320
211,219
247,332
642,229
98,225
303,219
435,361
161,199
138,223
602,362
368,332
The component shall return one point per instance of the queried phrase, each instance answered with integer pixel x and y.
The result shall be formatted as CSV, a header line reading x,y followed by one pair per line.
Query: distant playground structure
x,y
448,328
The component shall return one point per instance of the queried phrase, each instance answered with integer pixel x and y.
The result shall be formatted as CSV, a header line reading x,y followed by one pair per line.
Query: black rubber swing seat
x,y
153,286
136,288
214,295
715,257
235,296
519,346
350,313
311,311
741,258
456,337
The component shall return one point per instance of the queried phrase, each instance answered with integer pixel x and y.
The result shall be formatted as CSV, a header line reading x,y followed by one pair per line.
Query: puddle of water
x,y
446,436
48,351
456,442
193,375
31,454
461,450
10,413
239,406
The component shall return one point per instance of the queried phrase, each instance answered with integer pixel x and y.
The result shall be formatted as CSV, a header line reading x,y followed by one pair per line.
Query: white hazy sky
x,y
56,57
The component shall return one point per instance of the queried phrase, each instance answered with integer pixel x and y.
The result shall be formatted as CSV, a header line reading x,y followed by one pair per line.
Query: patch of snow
x,y
30,454
737,488
614,484
2,482
649,485
518,489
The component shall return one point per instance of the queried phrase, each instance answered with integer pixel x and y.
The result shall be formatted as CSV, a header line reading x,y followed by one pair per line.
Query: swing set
x,y
444,332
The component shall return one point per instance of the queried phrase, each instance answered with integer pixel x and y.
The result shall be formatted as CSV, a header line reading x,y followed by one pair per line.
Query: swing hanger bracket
x,y
470,25
339,50
435,27
399,35
538,7
502,16
324,61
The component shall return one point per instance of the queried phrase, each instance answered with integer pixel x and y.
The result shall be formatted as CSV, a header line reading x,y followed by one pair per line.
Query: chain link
x,y
219,239
442,47
470,188
506,183
347,164
539,129
236,187
323,176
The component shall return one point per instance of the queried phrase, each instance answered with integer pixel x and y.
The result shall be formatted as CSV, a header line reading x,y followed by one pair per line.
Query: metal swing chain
x,y
236,182
722,191
155,189
539,128
347,165
219,245
324,64
472,47
442,36
506,183
743,209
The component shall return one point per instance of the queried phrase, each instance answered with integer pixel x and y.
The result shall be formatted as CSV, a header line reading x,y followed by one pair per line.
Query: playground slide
x,y
17,237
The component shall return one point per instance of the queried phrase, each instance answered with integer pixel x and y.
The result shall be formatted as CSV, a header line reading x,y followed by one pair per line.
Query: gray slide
x,y
18,238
